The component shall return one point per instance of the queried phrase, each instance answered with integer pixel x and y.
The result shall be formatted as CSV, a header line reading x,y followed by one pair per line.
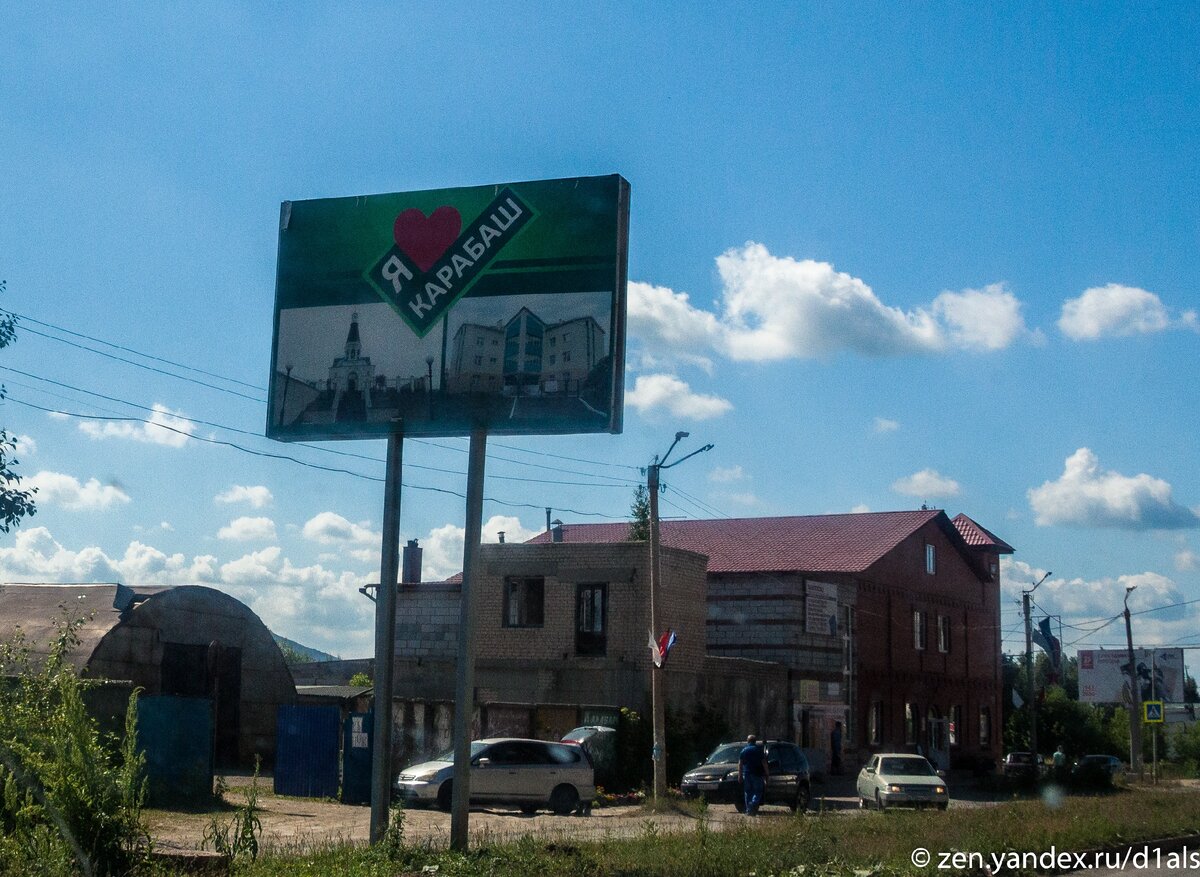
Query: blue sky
x,y
880,255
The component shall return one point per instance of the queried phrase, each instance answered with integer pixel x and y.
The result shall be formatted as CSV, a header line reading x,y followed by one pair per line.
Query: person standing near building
x,y
753,772
835,749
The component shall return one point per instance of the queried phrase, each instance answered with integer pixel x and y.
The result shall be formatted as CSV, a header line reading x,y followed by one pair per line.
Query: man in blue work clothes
x,y
752,771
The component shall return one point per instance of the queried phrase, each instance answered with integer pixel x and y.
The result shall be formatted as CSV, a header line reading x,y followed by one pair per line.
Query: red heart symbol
x,y
425,239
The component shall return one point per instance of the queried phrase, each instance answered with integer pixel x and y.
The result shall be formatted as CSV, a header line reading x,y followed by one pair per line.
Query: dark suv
x,y
716,778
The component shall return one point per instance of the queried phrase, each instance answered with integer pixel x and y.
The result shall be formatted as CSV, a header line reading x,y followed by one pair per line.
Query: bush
x,y
70,795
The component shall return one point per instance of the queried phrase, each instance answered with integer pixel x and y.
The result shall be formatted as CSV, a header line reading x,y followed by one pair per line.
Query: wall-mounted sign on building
x,y
498,306
820,608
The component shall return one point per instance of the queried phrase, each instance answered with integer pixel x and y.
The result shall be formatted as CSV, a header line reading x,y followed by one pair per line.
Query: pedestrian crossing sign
x,y
1152,711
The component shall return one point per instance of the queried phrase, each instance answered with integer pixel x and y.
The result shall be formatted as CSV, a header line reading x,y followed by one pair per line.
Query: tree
x,y
14,502
639,524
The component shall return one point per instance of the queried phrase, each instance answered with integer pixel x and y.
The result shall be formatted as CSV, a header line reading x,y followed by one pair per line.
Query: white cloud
x,y
257,496
980,319
657,395
1116,310
25,446
883,425
773,308
442,548
744,498
312,604
1087,496
164,427
927,483
860,509
330,528
1187,560
726,474
248,530
66,491
1079,599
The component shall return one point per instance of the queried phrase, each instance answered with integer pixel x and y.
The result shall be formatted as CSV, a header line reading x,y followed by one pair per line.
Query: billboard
x,y
1104,675
434,312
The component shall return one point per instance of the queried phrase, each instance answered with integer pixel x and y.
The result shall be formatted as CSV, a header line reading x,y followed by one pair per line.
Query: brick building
x,y
887,622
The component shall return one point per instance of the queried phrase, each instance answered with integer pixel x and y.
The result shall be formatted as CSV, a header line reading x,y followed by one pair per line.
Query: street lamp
x,y
1135,694
1031,691
657,701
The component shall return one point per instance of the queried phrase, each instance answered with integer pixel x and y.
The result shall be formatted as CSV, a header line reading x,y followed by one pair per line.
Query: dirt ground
x,y
296,824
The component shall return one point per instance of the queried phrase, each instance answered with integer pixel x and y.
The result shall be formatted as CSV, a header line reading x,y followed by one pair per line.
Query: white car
x,y
507,770
898,778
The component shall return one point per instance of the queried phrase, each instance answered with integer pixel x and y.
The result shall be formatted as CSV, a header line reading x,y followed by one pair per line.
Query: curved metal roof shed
x,y
186,640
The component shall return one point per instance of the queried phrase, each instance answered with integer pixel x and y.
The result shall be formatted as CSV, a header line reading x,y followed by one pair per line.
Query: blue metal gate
x,y
357,746
176,736
306,751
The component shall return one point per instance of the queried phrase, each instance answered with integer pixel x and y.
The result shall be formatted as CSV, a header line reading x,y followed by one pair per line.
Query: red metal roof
x,y
847,543
978,536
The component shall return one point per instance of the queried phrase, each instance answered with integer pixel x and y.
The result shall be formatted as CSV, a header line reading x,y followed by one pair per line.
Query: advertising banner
x,y
434,312
1104,675
820,608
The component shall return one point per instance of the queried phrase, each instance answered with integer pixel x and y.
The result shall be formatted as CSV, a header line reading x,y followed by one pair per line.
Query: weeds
x,y
238,838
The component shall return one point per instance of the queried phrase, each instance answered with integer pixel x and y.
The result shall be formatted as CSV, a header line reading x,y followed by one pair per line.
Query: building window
x,y
553,340
479,360
955,724
479,341
918,630
985,725
910,723
566,356
944,633
553,358
523,601
930,559
591,609
875,723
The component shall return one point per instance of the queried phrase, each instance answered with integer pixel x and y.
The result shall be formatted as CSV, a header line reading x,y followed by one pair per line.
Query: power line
x,y
306,464
116,346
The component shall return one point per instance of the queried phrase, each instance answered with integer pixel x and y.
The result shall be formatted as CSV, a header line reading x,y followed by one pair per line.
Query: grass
x,y
810,845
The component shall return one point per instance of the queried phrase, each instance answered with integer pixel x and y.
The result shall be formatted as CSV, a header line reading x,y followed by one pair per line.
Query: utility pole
x,y
1135,695
657,699
1032,688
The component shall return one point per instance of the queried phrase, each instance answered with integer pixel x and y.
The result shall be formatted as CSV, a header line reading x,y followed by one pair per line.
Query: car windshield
x,y
725,754
1020,758
907,767
448,755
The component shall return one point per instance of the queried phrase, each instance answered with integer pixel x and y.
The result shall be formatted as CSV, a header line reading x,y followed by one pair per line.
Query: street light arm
x,y
688,457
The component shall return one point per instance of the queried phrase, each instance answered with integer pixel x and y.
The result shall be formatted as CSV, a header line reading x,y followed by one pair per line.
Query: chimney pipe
x,y
556,531
501,537
411,564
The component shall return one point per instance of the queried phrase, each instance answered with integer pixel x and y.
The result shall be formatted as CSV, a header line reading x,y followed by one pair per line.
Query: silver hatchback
x,y
507,770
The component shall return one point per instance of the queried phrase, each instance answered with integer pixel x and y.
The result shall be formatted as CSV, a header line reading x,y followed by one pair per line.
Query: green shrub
x,y
69,793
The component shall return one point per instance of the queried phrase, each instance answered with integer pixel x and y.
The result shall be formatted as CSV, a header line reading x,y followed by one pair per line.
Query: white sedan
x,y
898,778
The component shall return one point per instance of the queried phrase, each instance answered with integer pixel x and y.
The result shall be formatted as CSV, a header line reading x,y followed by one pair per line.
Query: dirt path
x,y
295,824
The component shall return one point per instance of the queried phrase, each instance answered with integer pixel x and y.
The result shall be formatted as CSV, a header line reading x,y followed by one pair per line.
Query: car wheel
x,y
564,800
943,805
445,795
879,802
800,803
529,809
863,804
739,802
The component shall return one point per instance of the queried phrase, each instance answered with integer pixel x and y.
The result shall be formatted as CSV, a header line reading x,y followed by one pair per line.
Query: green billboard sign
x,y
435,312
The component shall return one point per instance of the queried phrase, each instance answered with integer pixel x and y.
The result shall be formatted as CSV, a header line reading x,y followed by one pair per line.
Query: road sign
x,y
1152,711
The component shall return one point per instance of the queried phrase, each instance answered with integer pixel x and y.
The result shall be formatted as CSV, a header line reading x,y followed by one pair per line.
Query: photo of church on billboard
x,y
433,313
520,369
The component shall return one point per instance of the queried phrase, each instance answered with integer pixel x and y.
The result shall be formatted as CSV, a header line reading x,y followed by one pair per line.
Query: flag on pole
x,y
659,648
1043,636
